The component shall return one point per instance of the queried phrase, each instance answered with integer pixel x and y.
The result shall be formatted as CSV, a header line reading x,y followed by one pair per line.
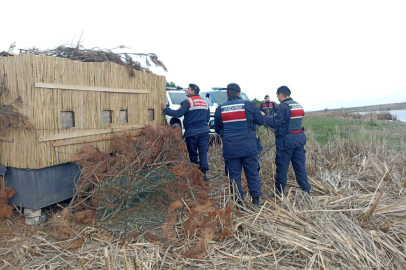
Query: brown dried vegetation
x,y
6,211
153,147
355,218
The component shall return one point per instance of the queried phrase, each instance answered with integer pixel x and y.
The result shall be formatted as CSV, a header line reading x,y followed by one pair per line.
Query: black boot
x,y
205,177
255,201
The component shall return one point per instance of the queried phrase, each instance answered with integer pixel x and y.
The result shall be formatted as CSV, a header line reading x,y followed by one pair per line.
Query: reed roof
x,y
79,53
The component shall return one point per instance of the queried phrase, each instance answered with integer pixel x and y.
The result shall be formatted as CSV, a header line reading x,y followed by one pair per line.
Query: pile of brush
x,y
148,170
6,211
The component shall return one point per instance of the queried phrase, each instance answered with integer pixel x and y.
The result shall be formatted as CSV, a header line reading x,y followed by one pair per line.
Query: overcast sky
x,y
329,53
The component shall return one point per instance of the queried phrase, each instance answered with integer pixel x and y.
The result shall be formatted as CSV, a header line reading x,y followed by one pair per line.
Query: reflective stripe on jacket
x,y
243,122
196,115
294,123
197,103
234,118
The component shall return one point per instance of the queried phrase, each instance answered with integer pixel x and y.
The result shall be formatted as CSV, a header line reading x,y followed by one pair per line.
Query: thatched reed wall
x,y
43,83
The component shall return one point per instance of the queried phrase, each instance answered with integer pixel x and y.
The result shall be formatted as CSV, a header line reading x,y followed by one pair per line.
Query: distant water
x,y
400,114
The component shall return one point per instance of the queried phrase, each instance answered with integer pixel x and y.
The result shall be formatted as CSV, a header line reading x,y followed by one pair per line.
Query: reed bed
x,y
354,219
368,116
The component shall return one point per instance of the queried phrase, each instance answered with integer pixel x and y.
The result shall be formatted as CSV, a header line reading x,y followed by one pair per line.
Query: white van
x,y
218,96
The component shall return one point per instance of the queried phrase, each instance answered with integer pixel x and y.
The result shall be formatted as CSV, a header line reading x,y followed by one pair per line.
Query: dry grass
x,y
369,116
355,219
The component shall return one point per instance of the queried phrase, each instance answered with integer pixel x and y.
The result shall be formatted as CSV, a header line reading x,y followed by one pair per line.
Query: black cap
x,y
266,96
283,88
194,88
233,86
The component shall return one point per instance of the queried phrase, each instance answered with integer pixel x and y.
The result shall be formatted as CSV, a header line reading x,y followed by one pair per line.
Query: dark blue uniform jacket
x,y
194,122
242,145
281,117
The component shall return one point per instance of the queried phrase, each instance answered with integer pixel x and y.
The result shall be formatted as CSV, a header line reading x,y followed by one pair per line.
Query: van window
x,y
219,97
208,96
207,100
244,97
177,98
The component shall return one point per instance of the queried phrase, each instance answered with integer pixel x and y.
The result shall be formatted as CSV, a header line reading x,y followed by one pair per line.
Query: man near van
x,y
197,116
235,121
267,107
290,140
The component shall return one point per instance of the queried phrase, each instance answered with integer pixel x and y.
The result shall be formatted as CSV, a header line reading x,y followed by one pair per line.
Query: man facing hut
x,y
235,121
290,140
197,116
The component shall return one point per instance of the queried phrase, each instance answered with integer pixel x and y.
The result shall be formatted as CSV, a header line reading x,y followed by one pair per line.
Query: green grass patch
x,y
326,128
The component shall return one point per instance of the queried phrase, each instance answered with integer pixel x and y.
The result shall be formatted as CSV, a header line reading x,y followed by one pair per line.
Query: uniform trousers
x,y
283,159
251,169
197,146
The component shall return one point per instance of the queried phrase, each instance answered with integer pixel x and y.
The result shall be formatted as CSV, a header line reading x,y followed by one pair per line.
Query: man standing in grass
x,y
235,121
267,107
197,116
290,140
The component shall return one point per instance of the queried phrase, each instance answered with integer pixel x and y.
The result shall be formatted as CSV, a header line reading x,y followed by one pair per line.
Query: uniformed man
x,y
235,121
290,140
267,107
197,116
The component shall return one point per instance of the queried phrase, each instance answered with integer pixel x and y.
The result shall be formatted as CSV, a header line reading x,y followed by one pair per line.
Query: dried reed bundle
x,y
79,53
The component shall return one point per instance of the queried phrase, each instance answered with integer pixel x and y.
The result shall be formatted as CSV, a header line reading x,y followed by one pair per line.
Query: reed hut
x,y
69,104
